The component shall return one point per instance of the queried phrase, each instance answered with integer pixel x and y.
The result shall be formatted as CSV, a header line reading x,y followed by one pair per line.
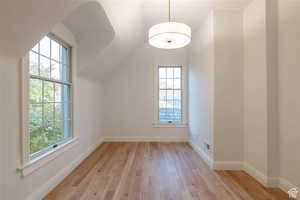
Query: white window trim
x,y
30,165
158,124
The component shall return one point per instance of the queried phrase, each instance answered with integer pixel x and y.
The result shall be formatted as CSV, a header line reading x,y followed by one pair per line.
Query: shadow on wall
x,y
92,29
27,23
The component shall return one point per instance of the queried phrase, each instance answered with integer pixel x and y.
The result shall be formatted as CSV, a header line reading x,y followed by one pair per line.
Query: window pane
x,y
48,112
33,63
169,105
162,72
36,90
33,126
63,110
66,93
43,137
44,67
64,73
177,95
169,72
163,112
38,140
58,92
55,70
35,115
177,83
55,50
169,111
48,91
45,46
59,112
169,83
163,83
177,111
64,57
170,95
59,71
177,104
57,132
66,111
66,125
62,93
177,72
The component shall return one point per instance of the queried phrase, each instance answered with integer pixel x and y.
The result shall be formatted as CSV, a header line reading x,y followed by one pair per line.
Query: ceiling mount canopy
x,y
170,35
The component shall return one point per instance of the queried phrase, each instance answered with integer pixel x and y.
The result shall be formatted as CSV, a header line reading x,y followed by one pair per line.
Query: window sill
x,y
170,125
40,161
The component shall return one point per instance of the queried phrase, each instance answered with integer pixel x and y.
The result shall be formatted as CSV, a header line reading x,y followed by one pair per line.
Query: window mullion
x,y
173,100
50,59
54,108
39,59
43,104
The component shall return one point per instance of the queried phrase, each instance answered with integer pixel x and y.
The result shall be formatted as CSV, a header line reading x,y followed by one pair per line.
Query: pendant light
x,y
170,35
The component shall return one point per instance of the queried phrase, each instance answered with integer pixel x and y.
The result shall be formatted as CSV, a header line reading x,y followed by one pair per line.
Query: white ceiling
x,y
132,19
25,22
187,11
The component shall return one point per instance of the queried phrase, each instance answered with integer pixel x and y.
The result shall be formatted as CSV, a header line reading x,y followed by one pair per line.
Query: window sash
x,y
175,118
67,101
65,51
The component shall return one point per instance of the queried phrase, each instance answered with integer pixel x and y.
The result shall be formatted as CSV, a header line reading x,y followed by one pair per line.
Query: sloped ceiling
x,y
24,23
106,30
92,30
125,17
131,20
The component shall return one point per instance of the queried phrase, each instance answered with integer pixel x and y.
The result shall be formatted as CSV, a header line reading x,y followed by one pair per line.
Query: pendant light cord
x,y
169,10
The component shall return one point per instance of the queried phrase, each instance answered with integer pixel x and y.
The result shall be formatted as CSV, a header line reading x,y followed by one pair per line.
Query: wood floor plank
x,y
156,171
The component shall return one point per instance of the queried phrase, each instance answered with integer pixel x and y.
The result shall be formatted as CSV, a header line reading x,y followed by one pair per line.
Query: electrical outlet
x,y
207,146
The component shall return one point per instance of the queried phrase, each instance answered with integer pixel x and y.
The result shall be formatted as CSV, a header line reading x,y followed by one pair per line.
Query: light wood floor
x,y
156,171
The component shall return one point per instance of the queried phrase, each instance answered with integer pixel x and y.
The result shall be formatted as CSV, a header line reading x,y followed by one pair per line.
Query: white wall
x,y
129,102
87,110
228,90
1,130
216,86
272,101
289,62
255,82
201,85
272,88
255,86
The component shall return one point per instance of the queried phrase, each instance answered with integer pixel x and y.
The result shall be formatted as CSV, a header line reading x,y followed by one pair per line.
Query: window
x,y
171,96
47,96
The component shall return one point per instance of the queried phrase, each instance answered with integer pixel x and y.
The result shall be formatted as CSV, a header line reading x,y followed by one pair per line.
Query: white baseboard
x,y
273,182
269,182
146,139
231,165
202,154
285,185
54,181
259,176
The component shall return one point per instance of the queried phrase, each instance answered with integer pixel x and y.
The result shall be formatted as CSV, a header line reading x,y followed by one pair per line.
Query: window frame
x,y
31,162
184,90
